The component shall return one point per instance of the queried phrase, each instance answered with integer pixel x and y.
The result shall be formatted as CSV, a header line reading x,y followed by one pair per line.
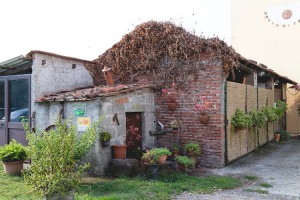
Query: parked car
x,y
16,116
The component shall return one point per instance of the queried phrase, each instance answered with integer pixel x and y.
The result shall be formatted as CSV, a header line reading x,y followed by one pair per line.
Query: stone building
x,y
125,84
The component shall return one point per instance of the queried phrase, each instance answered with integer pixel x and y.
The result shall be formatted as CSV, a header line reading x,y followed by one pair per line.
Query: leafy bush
x,y
13,152
280,108
105,136
258,118
284,135
184,160
192,148
54,155
270,113
240,119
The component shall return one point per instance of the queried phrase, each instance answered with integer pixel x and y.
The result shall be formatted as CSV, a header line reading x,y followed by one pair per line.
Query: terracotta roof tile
x,y
89,93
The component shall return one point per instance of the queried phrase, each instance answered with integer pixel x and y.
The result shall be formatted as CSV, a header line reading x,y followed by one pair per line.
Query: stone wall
x,y
210,136
99,158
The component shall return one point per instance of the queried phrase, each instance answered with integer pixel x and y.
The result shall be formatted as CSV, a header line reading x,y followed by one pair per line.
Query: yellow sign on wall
x,y
83,123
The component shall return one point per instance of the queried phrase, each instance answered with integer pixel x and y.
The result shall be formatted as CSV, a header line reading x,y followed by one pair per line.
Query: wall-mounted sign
x,y
83,123
79,109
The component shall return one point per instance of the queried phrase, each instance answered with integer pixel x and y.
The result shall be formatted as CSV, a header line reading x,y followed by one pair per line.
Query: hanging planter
x,y
172,106
204,118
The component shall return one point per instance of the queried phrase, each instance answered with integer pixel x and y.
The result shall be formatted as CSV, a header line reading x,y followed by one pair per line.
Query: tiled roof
x,y
89,93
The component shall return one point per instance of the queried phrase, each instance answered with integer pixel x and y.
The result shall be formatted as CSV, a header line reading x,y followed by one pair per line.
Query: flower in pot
x,y
277,136
105,138
170,94
55,170
240,119
192,148
157,155
13,156
270,113
258,118
174,124
183,162
203,105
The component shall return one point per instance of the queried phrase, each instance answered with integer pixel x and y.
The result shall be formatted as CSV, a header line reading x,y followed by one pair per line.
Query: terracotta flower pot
x,y
277,137
162,159
172,106
119,151
13,167
204,118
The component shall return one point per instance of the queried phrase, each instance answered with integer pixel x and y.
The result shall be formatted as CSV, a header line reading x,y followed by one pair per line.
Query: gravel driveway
x,y
269,173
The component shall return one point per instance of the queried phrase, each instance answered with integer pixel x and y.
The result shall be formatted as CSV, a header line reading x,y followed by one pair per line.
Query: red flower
x,y
170,94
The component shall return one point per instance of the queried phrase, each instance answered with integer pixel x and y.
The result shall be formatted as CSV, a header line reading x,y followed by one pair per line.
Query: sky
x,y
87,28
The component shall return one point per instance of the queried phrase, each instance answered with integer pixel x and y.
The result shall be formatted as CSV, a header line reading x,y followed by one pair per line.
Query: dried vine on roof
x,y
165,53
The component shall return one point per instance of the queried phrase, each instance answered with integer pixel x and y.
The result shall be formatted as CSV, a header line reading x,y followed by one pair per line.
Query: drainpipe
x,y
226,124
108,76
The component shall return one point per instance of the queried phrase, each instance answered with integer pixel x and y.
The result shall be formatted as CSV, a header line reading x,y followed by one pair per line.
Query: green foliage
x,y
184,160
13,152
54,155
270,113
266,185
284,135
280,108
258,118
193,148
105,136
240,119
153,155
165,187
175,147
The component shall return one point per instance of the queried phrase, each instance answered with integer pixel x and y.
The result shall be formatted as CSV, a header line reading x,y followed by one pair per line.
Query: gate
x,y
14,104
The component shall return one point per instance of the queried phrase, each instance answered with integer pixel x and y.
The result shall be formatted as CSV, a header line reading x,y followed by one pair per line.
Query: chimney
x,y
108,76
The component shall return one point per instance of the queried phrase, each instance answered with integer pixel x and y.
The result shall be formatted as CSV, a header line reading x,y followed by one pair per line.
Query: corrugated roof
x,y
89,93
15,65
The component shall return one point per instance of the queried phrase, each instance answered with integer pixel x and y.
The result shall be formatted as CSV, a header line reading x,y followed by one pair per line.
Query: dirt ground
x,y
269,173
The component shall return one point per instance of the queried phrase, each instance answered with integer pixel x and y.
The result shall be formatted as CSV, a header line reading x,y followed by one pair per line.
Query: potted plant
x,y
174,124
105,138
284,135
183,162
172,103
258,118
13,156
280,108
270,113
55,170
156,155
192,148
277,136
240,119
119,151
203,105
175,149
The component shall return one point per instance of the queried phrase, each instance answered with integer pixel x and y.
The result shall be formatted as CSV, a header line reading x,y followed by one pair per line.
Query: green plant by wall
x,y
284,135
55,157
270,113
280,108
258,118
184,160
13,152
240,119
105,136
153,155
193,148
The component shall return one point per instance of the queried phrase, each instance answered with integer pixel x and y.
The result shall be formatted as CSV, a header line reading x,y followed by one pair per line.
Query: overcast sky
x,y
86,28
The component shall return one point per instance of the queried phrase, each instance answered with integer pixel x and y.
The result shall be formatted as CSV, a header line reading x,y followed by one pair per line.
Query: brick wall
x,y
210,136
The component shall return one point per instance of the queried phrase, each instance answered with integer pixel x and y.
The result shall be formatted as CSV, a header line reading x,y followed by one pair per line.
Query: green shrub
x,y
13,152
153,155
258,118
184,160
270,113
280,108
193,148
284,135
55,155
240,119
